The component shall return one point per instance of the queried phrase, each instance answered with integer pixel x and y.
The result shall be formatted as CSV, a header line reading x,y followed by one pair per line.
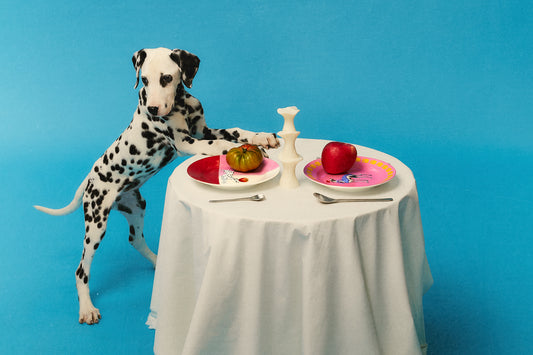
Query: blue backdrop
x,y
445,86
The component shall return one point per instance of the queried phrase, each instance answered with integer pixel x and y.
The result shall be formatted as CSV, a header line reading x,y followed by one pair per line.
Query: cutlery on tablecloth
x,y
258,197
327,200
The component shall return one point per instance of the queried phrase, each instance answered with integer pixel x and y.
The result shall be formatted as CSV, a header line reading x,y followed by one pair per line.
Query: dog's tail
x,y
71,207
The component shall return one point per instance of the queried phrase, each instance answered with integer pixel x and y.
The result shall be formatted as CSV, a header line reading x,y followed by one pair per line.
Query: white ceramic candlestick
x,y
289,157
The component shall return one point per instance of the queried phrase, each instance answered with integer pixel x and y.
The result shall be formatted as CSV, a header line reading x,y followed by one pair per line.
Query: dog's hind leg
x,y
132,205
96,205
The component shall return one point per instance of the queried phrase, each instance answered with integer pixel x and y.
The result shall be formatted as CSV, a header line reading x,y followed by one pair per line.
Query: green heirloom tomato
x,y
245,158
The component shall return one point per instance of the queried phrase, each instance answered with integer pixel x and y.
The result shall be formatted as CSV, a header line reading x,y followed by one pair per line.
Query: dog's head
x,y
161,71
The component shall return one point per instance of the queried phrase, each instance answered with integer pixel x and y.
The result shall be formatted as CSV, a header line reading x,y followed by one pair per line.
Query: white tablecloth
x,y
290,275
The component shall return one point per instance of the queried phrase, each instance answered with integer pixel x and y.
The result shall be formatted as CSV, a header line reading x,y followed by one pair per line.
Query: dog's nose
x,y
153,110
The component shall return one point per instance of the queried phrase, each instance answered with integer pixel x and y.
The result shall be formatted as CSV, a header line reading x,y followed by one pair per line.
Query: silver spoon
x,y
258,197
325,199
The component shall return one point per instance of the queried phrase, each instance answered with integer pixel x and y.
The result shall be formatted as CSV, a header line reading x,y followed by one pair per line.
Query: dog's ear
x,y
188,64
138,60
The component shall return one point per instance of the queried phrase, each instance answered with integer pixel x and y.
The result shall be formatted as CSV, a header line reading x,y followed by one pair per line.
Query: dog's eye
x,y
166,79
145,81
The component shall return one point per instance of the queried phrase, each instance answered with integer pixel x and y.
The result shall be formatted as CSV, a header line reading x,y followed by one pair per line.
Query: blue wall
x,y
446,86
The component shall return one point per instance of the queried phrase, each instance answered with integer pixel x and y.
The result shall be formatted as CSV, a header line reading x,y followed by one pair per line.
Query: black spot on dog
x,y
229,136
187,139
150,138
133,150
80,272
164,80
142,97
208,134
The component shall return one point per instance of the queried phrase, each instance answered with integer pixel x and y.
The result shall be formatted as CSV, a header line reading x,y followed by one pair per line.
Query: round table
x,y
289,275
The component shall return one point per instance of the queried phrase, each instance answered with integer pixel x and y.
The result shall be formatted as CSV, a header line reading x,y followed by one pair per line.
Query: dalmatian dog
x,y
167,123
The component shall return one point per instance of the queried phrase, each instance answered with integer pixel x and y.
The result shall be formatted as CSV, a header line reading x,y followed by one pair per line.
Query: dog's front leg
x,y
198,128
265,140
187,145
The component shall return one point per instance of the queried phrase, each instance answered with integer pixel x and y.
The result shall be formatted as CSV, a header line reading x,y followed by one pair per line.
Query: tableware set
x,y
366,172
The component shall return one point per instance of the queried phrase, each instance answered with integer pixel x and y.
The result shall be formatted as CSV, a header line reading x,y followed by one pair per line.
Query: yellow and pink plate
x,y
366,172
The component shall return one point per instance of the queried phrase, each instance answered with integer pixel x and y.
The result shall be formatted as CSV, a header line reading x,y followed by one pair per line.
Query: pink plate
x,y
365,172
215,171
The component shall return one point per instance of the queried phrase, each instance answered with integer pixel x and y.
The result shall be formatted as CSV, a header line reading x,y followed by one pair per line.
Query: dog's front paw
x,y
266,140
90,315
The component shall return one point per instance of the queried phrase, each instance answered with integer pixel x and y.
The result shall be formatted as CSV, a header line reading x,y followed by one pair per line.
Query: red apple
x,y
338,157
